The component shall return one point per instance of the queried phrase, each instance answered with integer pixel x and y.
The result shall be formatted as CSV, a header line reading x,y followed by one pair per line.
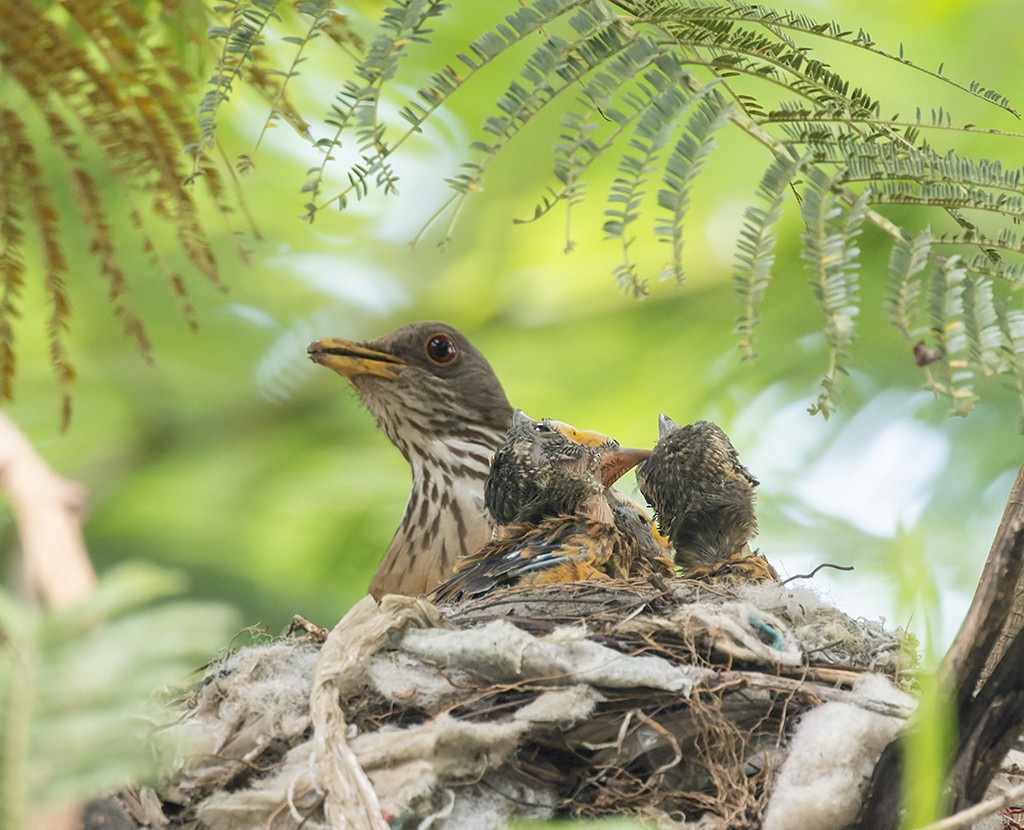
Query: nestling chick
x,y
703,498
548,487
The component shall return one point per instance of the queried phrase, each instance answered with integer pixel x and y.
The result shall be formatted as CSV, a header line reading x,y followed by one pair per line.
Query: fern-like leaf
x,y
687,159
44,216
831,252
656,79
668,102
1011,328
554,67
755,254
908,259
604,99
945,301
102,99
321,15
241,37
782,25
76,686
357,104
981,329
12,236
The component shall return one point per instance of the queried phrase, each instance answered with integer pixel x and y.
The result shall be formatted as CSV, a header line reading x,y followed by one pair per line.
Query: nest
x,y
685,703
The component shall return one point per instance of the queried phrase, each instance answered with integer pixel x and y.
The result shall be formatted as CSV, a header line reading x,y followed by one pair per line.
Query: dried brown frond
x,y
12,266
43,214
100,99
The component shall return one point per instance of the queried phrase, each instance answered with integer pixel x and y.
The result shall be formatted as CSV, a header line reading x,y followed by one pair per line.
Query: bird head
x,y
548,467
694,477
700,447
423,383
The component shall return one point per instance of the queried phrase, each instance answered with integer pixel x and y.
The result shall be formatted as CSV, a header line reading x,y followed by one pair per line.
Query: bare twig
x,y
966,818
313,631
818,568
47,509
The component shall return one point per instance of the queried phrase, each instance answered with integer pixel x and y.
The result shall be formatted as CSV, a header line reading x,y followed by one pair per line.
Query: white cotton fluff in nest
x,y
412,770
501,651
252,698
288,790
831,758
565,707
403,679
406,764
742,631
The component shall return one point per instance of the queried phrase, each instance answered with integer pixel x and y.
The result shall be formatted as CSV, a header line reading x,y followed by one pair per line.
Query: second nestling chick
x,y
703,498
548,487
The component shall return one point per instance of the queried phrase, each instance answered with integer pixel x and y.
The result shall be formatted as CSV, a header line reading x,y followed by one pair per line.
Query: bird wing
x,y
558,549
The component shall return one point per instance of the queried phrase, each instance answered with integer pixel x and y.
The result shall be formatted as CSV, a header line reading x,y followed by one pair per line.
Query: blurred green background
x,y
263,478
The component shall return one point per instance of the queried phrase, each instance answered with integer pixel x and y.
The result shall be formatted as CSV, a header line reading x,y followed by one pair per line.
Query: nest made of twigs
x,y
672,700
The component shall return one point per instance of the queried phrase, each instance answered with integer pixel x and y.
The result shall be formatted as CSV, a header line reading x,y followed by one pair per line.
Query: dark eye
x,y
541,427
441,349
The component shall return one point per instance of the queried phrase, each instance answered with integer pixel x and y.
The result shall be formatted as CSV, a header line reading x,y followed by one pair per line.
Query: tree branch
x,y
47,509
983,676
985,633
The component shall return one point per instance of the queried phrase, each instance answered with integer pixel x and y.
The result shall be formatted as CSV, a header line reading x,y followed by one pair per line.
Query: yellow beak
x,y
351,359
583,436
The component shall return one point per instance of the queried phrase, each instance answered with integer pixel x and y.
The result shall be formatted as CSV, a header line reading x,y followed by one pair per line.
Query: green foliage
x,y
77,686
653,83
929,745
358,101
650,83
928,752
832,254
682,167
241,38
755,253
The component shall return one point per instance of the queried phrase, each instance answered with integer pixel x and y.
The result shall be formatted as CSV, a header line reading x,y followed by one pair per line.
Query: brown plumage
x,y
438,400
548,486
703,498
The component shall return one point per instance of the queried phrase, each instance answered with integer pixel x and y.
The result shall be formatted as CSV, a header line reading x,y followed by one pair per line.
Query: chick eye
x,y
441,349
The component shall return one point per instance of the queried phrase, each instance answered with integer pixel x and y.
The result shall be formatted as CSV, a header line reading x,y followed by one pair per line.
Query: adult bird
x,y
703,499
439,402
549,487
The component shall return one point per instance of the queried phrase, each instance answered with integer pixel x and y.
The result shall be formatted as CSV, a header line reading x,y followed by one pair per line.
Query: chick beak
x,y
352,360
616,461
666,425
584,436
